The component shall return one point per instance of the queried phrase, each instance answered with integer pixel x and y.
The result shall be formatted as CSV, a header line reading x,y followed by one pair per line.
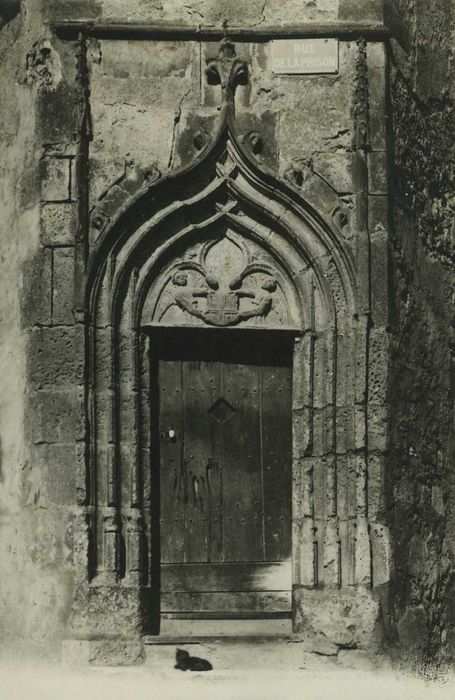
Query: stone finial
x,y
227,70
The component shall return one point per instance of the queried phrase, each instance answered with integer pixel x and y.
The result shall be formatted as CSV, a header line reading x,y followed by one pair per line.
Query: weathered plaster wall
x,y
33,583
150,99
254,13
420,479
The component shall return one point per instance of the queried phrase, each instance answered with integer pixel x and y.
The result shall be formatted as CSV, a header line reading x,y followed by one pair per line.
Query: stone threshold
x,y
181,628
225,639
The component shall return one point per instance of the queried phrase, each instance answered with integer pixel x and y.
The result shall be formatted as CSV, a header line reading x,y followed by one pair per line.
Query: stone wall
x,y
148,101
35,580
420,478
211,12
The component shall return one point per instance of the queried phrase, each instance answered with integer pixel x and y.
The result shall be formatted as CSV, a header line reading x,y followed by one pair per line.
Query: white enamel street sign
x,y
304,56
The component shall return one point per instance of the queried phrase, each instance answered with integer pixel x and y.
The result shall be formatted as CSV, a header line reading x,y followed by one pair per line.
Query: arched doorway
x,y
225,250
221,321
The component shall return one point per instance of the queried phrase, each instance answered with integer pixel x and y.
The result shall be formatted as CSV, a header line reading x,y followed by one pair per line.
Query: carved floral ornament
x,y
224,281
221,190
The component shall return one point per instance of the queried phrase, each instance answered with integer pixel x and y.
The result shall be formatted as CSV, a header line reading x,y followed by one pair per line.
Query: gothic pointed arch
x,y
223,243
225,184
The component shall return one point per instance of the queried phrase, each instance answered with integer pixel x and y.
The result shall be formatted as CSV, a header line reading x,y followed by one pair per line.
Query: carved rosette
x,y
299,174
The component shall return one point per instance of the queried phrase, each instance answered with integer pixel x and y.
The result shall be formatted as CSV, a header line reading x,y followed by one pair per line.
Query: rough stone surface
x,y
356,658
63,286
35,541
58,224
55,179
103,610
257,12
102,652
116,652
338,618
419,476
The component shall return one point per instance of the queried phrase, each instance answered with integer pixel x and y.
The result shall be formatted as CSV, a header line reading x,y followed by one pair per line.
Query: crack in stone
x,y
177,116
262,20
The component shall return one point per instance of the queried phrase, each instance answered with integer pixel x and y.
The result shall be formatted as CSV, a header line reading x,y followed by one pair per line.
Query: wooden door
x,y
225,474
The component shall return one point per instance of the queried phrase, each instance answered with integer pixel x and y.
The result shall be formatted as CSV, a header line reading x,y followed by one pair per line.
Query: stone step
x,y
189,628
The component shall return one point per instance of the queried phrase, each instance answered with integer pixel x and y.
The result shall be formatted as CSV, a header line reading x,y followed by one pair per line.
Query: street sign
x,y
304,56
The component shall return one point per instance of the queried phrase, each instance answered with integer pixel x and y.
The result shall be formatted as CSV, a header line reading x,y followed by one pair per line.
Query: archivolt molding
x,y
231,185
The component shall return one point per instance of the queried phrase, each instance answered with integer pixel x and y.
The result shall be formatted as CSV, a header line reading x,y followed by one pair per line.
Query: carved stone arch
x,y
228,170
292,260
289,230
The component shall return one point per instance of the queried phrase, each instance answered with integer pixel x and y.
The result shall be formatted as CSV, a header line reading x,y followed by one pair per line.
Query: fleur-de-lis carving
x,y
223,297
227,70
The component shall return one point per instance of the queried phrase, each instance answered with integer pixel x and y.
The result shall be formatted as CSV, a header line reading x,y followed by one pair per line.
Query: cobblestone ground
x,y
318,680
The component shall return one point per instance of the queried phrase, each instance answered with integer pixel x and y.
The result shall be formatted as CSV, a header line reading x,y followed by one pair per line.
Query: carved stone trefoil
x,y
254,142
299,173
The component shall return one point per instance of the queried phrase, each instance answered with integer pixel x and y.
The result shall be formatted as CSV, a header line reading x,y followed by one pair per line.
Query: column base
x,y
109,611
332,619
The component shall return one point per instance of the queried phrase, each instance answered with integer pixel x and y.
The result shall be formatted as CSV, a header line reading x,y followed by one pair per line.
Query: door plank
x,y
230,576
196,454
242,484
214,471
173,478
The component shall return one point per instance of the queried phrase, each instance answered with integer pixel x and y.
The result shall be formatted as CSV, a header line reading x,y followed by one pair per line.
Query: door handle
x,y
169,435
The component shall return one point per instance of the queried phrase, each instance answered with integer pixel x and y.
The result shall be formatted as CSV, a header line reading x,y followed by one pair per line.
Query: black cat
x,y
185,662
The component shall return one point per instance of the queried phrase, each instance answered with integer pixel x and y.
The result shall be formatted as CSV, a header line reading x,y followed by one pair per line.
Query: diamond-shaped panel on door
x,y
221,410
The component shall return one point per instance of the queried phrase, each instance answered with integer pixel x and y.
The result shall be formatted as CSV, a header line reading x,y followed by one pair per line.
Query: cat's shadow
x,y
185,662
